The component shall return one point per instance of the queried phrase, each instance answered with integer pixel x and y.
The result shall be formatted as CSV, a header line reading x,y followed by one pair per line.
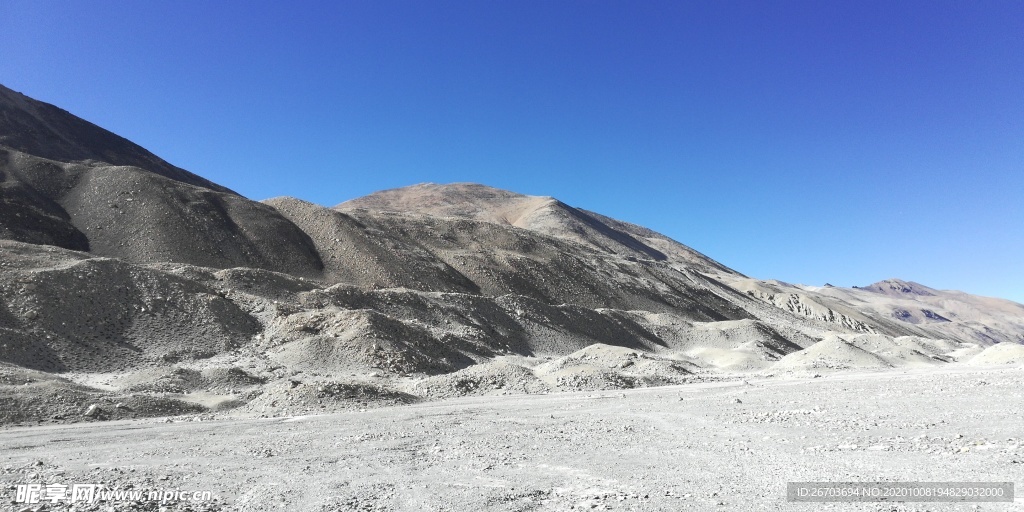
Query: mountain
x,y
541,214
69,183
943,313
126,279
35,128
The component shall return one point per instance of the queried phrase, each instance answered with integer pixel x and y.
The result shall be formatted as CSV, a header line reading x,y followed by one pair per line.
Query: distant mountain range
x,y
114,262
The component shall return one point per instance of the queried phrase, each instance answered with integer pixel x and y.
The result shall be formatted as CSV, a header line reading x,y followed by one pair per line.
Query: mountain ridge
x,y
44,130
543,214
151,281
70,183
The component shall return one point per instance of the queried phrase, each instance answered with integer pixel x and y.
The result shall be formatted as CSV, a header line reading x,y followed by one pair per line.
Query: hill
x,y
124,279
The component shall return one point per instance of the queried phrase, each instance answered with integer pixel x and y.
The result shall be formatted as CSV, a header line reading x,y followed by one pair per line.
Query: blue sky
x,y
812,142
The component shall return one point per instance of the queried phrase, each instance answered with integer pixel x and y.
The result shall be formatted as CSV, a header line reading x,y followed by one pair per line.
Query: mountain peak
x,y
467,200
542,214
471,200
900,287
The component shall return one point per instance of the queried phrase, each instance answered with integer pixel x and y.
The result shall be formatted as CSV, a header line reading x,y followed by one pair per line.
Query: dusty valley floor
x,y
706,446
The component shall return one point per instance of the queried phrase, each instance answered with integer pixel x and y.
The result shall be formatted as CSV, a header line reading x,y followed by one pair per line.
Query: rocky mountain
x,y
124,279
69,183
545,215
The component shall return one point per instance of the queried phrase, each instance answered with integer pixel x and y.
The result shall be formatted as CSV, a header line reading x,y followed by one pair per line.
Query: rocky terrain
x,y
701,446
126,280
130,288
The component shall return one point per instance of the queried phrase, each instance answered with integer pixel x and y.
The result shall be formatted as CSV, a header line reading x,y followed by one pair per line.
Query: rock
x,y
93,411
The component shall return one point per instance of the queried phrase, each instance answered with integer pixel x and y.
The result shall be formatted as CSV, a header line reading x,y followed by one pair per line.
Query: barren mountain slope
x,y
32,127
941,313
379,248
361,254
69,183
545,215
892,307
185,297
67,311
901,307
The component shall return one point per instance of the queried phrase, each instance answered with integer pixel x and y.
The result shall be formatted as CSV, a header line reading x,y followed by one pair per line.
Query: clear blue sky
x,y
813,142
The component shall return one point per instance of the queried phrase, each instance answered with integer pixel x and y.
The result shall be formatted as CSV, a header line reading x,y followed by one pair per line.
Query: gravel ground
x,y
705,446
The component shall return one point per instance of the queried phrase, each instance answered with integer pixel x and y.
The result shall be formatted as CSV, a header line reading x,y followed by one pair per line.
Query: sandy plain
x,y
729,445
